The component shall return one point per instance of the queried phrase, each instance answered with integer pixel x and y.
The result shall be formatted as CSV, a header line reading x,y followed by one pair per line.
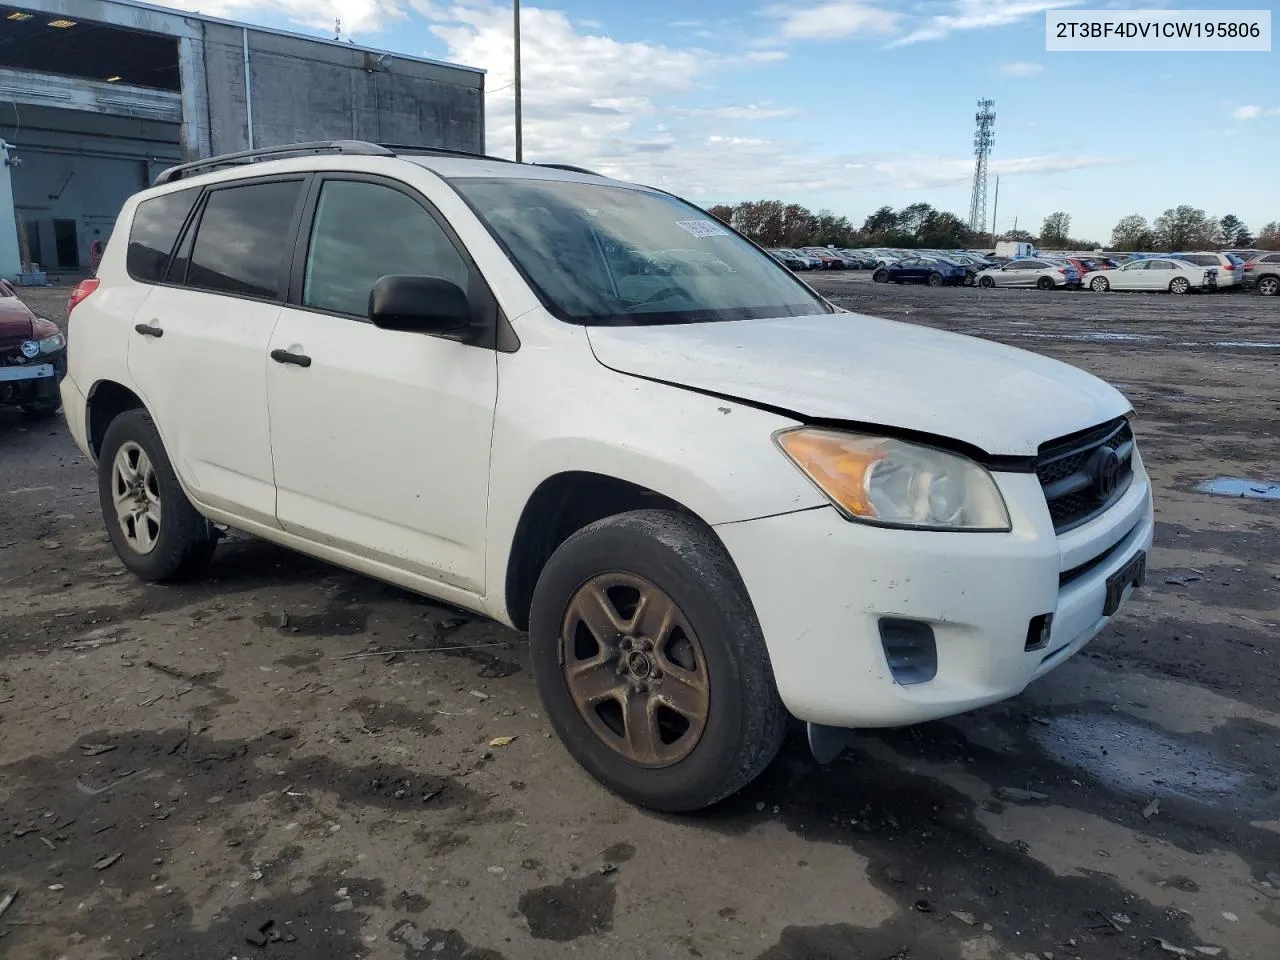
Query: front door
x,y
380,438
198,352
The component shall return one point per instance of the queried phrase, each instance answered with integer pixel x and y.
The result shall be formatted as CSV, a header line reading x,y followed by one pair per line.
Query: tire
x,y
1179,285
935,279
986,282
743,720
1268,286
1100,285
880,276
171,541
1045,283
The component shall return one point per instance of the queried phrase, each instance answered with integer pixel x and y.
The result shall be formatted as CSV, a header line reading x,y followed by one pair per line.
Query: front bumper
x,y
821,585
32,383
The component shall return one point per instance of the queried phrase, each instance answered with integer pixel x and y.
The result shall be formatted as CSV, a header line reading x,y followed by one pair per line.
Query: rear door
x,y
381,438
198,350
1159,274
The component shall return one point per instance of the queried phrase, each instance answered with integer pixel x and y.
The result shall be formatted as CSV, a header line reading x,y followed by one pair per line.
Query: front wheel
x,y
880,276
155,531
986,282
935,279
1045,283
651,664
1099,285
1179,285
1269,287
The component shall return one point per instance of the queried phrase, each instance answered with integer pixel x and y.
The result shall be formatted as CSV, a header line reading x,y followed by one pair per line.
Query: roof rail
x,y
570,167
411,150
350,147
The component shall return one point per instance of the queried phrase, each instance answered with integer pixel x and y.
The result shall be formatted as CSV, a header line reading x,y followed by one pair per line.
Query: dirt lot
x,y
190,772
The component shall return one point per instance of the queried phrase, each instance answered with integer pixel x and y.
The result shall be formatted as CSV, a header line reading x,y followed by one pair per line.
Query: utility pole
x,y
519,118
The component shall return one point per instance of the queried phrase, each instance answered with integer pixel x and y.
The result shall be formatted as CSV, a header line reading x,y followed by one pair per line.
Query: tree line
x,y
772,223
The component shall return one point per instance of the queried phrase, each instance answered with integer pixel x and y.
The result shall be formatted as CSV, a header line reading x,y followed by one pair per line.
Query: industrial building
x,y
97,96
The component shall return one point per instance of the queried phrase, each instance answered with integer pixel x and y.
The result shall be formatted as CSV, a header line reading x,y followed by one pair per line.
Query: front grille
x,y
1068,470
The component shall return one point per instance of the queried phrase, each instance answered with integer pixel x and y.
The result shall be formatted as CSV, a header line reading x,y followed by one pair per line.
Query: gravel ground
x,y
186,772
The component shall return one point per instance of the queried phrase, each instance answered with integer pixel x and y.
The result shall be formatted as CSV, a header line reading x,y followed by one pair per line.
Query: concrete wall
x,y
80,167
81,162
302,90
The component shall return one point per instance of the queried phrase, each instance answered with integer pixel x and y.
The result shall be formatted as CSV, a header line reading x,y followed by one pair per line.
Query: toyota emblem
x,y
1106,473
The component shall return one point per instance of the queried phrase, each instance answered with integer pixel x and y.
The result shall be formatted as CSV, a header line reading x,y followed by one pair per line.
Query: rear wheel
x,y
1269,287
155,531
1099,285
986,282
1045,283
650,661
1179,285
880,276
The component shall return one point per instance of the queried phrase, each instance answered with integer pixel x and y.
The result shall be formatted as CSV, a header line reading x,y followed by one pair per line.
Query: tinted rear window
x,y
156,226
244,238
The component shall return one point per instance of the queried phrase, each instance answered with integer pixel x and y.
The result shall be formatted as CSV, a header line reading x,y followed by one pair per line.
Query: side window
x,y
364,231
1160,265
1272,258
155,227
1138,265
243,239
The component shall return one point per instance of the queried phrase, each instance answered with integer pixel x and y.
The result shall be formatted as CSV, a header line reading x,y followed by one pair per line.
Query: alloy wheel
x,y
635,669
135,492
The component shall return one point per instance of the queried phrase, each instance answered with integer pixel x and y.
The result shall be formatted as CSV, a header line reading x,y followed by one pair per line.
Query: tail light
x,y
82,290
1062,270
1249,266
1229,266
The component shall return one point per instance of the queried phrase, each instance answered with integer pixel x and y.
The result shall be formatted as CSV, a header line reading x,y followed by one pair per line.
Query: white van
x,y
711,497
1015,248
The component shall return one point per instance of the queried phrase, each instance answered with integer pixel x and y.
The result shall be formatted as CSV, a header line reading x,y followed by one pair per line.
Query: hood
x,y
864,370
17,323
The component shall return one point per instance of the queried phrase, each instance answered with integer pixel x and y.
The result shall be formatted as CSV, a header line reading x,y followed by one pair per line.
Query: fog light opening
x,y
910,650
1038,632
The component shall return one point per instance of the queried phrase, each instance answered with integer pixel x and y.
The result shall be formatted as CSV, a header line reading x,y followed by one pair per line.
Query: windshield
x,y
600,254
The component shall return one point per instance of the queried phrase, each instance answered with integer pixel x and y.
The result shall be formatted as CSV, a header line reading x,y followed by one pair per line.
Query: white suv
x,y
587,410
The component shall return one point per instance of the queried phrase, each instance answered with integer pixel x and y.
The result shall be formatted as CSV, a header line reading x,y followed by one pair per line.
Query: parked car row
x,y
1202,271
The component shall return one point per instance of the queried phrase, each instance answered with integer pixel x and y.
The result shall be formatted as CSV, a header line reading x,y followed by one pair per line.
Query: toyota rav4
x,y
590,411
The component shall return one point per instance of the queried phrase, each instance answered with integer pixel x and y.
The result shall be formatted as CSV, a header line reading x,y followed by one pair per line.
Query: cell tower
x,y
983,137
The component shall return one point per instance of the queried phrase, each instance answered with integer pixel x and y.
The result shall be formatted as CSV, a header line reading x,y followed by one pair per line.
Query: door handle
x,y
297,359
147,330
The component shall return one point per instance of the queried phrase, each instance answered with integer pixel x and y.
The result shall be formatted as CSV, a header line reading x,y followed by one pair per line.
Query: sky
x,y
848,104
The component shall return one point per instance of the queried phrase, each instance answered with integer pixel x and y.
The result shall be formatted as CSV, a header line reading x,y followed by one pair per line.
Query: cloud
x,y
1021,69
766,56
1251,112
833,19
977,15
748,111
644,111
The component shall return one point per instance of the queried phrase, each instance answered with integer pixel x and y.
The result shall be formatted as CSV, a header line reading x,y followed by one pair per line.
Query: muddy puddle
x,y
1241,487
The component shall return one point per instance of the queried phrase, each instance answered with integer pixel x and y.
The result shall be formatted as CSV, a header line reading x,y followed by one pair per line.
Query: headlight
x,y
52,344
897,484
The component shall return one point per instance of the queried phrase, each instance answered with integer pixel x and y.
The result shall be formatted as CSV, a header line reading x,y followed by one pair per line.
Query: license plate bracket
x,y
1132,574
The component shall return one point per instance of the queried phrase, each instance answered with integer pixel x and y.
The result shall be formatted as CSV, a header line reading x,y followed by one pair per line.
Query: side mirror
x,y
419,305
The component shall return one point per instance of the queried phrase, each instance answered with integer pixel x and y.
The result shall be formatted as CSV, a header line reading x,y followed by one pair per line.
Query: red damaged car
x,y
33,356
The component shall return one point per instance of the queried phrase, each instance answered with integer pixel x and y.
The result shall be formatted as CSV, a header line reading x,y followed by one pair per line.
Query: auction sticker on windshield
x,y
702,228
